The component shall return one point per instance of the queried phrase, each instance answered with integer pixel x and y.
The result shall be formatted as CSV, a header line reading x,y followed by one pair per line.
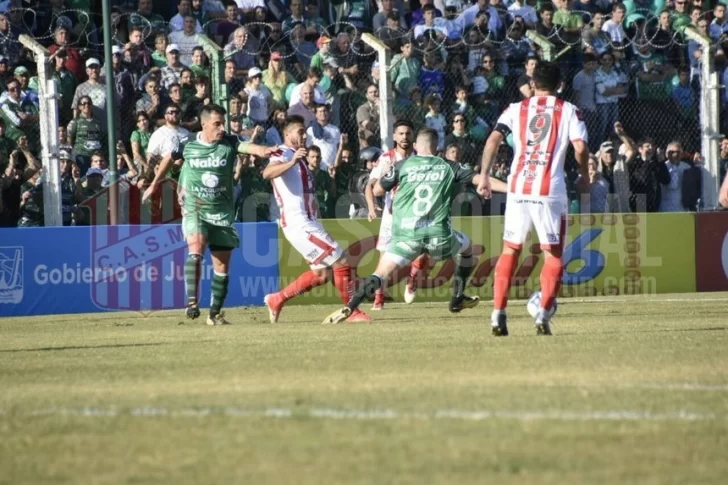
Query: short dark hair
x,y
547,76
683,69
211,108
321,105
202,79
293,120
314,148
428,7
314,72
172,105
406,123
174,85
546,7
589,57
618,6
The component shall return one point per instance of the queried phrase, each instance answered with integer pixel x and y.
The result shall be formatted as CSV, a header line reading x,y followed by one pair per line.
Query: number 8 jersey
x,y
425,186
542,127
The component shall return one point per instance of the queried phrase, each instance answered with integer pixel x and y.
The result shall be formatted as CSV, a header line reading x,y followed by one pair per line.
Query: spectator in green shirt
x,y
140,139
324,185
20,115
86,134
406,70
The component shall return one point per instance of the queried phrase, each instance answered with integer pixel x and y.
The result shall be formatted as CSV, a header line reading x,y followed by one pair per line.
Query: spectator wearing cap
x,y
313,78
521,9
258,97
171,72
177,23
304,49
324,52
86,133
379,21
324,135
22,74
74,60
186,40
94,89
94,182
276,78
242,49
227,26
406,70
20,115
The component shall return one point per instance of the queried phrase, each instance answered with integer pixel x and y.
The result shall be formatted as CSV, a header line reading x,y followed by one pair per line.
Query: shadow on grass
x,y
89,347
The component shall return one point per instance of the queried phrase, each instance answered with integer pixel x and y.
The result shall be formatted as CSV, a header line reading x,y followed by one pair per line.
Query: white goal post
x,y
49,144
386,93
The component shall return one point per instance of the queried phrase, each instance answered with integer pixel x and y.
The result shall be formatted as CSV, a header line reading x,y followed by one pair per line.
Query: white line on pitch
x,y
375,414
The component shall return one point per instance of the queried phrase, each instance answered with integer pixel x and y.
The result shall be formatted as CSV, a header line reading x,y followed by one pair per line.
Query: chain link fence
x,y
643,73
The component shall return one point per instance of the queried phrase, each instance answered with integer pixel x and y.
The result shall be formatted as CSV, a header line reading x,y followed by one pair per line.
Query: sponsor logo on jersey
x,y
209,162
425,177
210,180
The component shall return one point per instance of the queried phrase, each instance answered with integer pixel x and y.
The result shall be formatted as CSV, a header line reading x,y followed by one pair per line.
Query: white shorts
x,y
385,232
312,241
547,216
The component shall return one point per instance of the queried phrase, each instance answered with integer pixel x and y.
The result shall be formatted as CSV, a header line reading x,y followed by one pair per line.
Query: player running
x,y
403,137
542,127
206,199
296,198
421,221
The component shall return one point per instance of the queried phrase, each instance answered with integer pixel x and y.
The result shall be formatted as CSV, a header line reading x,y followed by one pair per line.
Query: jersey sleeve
x,y
390,180
381,168
462,173
577,127
506,121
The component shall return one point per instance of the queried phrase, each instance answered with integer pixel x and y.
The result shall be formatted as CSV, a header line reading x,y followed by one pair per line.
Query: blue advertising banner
x,y
123,268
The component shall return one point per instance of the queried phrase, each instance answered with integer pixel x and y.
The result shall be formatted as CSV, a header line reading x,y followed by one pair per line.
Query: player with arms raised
x,y
403,138
296,198
206,199
543,126
425,185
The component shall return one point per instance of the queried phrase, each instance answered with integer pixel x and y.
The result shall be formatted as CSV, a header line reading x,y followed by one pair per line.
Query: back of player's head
x,y
209,109
547,76
427,137
292,121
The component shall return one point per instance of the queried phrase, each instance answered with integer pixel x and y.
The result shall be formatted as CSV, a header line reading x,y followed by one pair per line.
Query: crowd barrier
x,y
141,268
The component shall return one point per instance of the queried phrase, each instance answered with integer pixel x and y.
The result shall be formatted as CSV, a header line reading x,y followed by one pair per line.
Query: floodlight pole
x,y
386,93
709,120
111,109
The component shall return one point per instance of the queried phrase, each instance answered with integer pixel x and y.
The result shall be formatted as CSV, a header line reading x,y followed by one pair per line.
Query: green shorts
x,y
217,236
404,251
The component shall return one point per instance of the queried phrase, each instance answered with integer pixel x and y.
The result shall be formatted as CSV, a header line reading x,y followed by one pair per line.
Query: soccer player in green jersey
x,y
421,210
208,207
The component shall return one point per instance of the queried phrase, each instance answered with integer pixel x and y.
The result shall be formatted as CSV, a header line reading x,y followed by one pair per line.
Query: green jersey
x,y
206,179
424,192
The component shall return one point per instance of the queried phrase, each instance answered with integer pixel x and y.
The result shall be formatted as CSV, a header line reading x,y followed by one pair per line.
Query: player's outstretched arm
x,y
378,190
164,166
581,153
496,185
275,170
261,151
369,195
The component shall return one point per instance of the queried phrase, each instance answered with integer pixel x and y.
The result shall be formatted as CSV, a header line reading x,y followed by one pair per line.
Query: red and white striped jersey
x,y
381,168
542,127
294,190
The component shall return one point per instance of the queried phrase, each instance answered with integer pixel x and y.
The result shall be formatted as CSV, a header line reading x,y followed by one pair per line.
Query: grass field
x,y
628,390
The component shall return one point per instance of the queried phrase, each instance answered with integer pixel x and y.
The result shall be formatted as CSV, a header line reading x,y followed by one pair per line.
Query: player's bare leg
x,y
504,270
418,266
307,281
220,280
196,244
385,268
551,273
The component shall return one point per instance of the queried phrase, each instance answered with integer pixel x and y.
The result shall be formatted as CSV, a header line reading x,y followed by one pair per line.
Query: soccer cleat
x,y
462,302
218,319
410,291
358,316
543,325
275,305
192,312
499,324
378,302
337,317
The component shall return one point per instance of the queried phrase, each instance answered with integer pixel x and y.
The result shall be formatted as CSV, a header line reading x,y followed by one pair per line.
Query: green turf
x,y
630,390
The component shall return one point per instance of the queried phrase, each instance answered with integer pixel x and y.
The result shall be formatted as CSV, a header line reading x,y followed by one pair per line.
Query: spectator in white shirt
x,y
258,97
610,84
313,78
613,26
671,200
526,12
186,39
177,22
325,136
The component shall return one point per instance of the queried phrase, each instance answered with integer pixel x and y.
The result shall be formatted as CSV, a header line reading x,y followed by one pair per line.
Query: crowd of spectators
x,y
456,65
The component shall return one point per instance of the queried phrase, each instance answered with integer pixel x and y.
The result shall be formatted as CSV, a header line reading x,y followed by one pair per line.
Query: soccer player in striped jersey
x,y
296,198
208,207
403,138
543,127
